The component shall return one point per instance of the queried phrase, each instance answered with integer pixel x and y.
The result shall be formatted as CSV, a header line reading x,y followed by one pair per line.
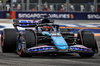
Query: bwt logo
x,y
93,16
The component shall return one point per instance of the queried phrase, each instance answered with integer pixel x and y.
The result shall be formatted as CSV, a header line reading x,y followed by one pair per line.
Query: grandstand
x,y
52,5
87,9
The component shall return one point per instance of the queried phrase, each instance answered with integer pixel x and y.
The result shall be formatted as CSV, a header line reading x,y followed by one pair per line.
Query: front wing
x,y
46,48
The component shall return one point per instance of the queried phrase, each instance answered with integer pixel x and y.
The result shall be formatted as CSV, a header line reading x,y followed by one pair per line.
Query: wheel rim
x,y
19,45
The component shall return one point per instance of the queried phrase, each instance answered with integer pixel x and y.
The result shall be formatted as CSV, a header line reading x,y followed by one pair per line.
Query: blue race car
x,y
46,37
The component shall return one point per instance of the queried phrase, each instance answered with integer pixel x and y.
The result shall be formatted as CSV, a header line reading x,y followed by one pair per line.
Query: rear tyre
x,y
87,39
26,40
8,40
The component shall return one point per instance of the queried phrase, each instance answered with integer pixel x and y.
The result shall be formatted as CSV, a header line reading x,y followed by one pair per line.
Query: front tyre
x,y
87,39
25,41
20,49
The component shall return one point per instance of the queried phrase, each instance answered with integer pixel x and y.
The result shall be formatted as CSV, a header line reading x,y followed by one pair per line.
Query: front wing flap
x,y
46,48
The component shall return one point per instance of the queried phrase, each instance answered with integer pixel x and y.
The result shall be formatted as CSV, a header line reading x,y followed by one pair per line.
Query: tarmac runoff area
x,y
69,59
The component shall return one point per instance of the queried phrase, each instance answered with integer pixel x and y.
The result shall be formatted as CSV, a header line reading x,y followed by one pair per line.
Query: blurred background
x,y
51,5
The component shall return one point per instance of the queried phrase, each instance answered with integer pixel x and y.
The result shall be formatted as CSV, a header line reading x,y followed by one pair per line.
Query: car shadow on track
x,y
59,56
46,56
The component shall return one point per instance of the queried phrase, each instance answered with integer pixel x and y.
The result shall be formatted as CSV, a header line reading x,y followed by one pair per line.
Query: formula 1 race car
x,y
46,37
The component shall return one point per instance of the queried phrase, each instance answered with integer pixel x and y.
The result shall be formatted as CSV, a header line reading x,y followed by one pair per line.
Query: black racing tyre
x,y
30,41
30,38
8,40
87,39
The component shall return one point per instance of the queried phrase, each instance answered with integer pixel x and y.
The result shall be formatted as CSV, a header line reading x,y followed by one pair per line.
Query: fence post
x,y
39,5
28,1
4,5
22,5
11,5
95,5
67,2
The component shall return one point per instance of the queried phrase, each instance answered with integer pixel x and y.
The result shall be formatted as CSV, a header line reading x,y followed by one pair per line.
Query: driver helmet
x,y
46,28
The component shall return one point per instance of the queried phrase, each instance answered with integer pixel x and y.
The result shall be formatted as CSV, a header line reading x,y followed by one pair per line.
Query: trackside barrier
x,y
57,15
53,15
2,14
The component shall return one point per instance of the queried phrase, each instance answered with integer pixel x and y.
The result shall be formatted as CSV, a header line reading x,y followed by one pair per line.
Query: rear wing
x,y
31,23
26,23
34,23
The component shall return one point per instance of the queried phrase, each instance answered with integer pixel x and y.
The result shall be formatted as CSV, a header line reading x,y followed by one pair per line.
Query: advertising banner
x,y
58,15
2,14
